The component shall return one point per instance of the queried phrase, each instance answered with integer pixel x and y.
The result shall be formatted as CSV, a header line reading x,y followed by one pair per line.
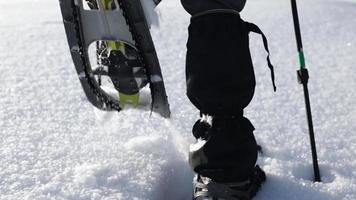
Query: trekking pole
x,y
303,77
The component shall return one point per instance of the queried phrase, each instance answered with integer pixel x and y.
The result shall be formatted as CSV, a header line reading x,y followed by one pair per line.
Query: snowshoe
x,y
126,65
207,189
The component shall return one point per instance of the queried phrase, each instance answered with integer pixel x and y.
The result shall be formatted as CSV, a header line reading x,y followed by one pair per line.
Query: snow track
x,y
54,145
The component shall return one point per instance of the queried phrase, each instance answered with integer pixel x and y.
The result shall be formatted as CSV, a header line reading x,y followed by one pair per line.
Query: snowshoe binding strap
x,y
254,28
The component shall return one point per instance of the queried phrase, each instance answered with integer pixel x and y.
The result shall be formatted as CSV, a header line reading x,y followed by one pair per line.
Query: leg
x,y
221,83
226,150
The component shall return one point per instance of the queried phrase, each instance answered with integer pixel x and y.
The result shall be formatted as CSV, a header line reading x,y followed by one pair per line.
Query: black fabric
x,y
219,70
254,28
196,6
221,83
229,154
201,129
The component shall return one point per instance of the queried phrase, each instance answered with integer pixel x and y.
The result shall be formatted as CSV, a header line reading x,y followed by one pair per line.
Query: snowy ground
x,y
54,145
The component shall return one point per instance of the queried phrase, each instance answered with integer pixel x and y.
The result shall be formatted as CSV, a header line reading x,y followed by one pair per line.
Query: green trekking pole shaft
x,y
303,78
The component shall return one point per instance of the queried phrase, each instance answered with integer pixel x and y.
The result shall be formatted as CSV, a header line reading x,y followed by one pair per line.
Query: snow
x,y
54,145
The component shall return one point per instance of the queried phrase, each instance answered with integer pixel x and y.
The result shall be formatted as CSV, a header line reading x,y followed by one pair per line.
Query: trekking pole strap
x,y
254,28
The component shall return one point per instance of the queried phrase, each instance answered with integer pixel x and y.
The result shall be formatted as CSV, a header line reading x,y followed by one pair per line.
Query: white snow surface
x,y
54,145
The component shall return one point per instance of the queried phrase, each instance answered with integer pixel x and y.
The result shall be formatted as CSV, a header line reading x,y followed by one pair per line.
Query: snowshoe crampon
x,y
114,54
